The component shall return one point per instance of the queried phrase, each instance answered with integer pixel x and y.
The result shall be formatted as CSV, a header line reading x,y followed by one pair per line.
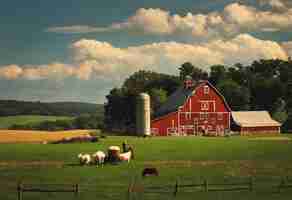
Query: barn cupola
x,y
188,82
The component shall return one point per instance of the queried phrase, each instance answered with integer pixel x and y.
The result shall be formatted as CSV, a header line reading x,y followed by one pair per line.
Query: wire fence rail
x,y
139,188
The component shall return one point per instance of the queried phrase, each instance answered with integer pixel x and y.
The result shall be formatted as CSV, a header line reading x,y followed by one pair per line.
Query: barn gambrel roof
x,y
180,96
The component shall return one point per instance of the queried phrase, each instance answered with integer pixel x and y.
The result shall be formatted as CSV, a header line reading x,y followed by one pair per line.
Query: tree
x,y
158,97
187,69
120,108
237,96
218,73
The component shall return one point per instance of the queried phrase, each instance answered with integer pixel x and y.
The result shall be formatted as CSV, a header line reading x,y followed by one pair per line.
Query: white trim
x,y
206,89
204,105
204,115
190,105
154,131
172,132
204,112
209,102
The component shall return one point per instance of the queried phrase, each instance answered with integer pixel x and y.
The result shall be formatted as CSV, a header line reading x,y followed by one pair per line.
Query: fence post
x,y
19,190
76,190
250,183
206,185
175,188
130,189
282,183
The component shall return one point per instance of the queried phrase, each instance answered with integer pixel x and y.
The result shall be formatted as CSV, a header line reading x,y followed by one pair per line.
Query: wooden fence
x,y
48,188
173,189
205,186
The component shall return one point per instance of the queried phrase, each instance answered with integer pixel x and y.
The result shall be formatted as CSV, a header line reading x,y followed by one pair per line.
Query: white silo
x,y
143,115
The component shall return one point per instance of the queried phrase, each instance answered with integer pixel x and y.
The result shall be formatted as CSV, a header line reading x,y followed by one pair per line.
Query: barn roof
x,y
179,97
253,119
175,100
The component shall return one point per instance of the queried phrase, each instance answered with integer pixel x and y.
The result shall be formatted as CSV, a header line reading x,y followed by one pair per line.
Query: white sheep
x,y
84,159
126,156
98,158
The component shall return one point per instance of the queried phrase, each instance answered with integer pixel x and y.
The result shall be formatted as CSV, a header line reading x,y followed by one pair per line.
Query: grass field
x,y
6,122
189,159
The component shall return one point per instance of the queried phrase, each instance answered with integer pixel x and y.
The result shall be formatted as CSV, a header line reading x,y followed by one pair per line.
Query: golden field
x,y
27,136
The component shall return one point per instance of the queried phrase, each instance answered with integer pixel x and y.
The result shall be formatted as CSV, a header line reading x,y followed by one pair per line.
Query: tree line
x,y
261,85
14,107
85,121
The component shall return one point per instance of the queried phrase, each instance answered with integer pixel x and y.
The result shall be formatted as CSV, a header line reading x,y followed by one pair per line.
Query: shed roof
x,y
253,119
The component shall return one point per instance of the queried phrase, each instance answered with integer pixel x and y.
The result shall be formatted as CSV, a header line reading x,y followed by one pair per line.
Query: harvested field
x,y
24,136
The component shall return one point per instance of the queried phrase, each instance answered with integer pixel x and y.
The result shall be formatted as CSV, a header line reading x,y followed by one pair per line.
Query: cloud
x,y
77,29
32,72
275,4
234,19
101,60
288,48
109,61
10,72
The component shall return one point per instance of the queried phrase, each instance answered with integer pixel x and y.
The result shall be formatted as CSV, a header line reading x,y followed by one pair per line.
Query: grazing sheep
x,y
99,157
84,159
126,156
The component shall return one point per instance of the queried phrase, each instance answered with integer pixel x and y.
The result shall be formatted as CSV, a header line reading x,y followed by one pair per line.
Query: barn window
x,y
203,116
204,105
206,89
220,116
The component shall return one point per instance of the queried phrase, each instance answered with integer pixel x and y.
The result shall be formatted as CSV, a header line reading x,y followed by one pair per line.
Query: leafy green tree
x,y
237,96
187,69
217,73
120,108
158,97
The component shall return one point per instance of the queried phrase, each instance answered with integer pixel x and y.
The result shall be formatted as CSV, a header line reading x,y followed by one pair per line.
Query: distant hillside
x,y
28,120
13,107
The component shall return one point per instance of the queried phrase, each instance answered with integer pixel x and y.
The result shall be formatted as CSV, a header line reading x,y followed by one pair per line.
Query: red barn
x,y
196,108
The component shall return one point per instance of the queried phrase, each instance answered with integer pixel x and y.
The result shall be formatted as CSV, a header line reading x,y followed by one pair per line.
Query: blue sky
x,y
78,50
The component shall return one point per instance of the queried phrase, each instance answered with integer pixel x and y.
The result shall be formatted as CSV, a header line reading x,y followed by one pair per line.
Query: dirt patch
x,y
232,168
19,136
271,138
185,163
5,164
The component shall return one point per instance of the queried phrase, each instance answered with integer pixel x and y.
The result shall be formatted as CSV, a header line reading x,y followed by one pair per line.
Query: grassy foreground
x,y
189,159
6,122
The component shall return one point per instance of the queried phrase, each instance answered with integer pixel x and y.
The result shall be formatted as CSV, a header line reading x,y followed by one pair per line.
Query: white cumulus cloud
x,y
109,61
102,60
288,48
234,19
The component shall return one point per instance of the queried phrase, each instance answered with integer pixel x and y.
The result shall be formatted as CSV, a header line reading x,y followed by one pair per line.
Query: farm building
x,y
196,108
254,122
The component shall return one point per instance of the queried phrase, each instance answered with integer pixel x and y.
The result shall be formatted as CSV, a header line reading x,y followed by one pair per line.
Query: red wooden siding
x,y
263,129
203,112
161,125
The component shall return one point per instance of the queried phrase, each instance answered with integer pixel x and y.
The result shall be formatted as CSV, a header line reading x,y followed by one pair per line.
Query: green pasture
x,y
6,122
184,159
